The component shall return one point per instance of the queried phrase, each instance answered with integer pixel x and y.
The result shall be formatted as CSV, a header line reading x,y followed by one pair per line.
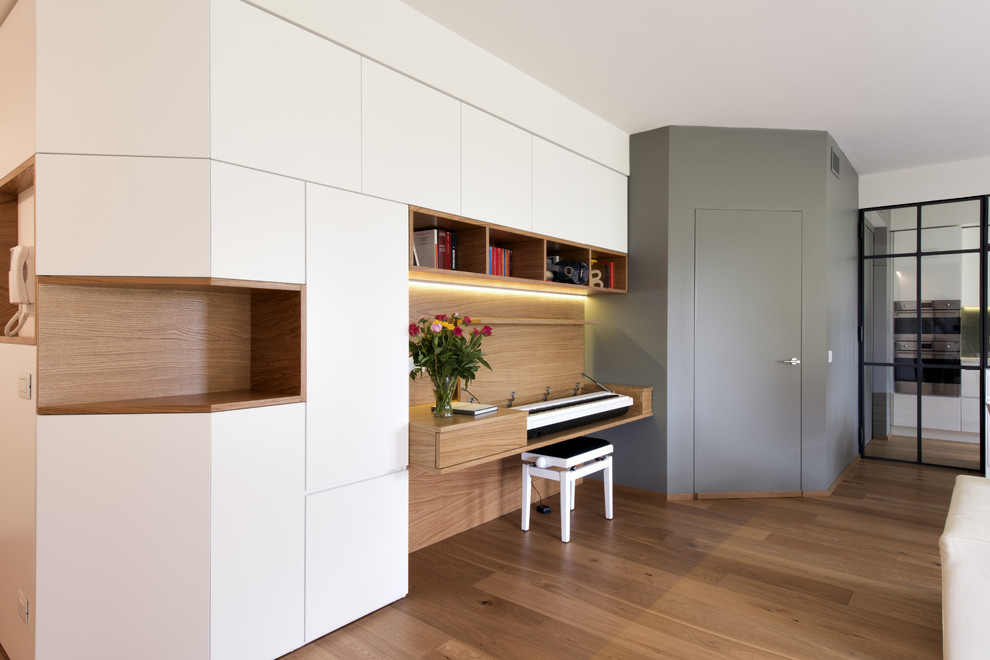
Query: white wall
x,y
17,485
924,184
17,52
399,37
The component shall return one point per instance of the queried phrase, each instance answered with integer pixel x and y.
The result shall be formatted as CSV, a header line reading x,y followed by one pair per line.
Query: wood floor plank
x,y
855,574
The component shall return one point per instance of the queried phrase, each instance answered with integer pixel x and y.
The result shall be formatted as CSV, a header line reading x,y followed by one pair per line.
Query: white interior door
x,y
747,330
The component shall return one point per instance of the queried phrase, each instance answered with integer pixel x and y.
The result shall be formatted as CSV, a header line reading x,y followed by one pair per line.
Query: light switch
x,y
24,385
830,356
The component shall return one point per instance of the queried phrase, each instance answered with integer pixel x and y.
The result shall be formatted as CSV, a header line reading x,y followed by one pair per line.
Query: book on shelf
x,y
425,245
499,261
435,248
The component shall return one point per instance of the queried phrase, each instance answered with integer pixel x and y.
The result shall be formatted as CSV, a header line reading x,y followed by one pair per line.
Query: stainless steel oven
x,y
926,338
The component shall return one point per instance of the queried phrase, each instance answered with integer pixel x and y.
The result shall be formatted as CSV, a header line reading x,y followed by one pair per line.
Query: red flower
x,y
458,332
467,320
413,329
441,317
486,331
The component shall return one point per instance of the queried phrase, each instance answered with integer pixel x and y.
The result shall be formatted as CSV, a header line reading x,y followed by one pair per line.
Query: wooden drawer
x,y
436,443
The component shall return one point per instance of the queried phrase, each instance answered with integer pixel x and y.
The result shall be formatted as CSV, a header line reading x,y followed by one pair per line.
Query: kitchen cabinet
x,y
283,100
496,169
411,140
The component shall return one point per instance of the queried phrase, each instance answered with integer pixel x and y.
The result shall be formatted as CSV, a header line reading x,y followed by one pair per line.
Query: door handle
x,y
792,361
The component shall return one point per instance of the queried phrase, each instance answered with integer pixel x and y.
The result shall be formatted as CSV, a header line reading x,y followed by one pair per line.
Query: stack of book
x,y
499,261
435,248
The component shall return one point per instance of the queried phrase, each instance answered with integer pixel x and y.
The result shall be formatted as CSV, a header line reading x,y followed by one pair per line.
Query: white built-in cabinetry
x,y
283,99
496,170
123,77
123,216
559,197
411,140
177,142
355,245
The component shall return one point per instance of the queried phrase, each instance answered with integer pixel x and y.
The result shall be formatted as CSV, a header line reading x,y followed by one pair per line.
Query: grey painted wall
x,y
647,336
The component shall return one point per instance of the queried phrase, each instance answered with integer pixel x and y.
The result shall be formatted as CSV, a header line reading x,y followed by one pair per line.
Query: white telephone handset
x,y
21,286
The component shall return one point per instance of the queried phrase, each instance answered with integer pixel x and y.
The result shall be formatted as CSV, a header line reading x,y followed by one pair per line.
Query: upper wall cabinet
x,y
17,52
607,208
258,225
496,170
138,84
103,215
558,192
283,99
411,136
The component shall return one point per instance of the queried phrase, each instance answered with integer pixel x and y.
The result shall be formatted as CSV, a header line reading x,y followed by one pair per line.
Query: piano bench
x,y
566,462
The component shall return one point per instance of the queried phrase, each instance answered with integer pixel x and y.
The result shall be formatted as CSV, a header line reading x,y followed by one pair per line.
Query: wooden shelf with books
x,y
483,254
168,345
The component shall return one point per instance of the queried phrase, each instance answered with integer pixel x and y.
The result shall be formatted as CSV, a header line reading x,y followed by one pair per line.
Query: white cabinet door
x,y
123,536
558,192
258,225
283,99
258,532
17,80
607,208
411,137
357,302
357,551
496,170
124,77
105,215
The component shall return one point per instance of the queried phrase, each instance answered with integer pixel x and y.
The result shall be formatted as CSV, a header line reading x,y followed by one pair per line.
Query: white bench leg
x,y
573,491
608,487
565,506
527,488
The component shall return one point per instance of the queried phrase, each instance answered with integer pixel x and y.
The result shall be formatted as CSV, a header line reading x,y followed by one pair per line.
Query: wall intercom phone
x,y
21,287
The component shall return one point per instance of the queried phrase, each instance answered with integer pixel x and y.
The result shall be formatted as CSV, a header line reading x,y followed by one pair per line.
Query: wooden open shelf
x,y
11,185
529,254
155,345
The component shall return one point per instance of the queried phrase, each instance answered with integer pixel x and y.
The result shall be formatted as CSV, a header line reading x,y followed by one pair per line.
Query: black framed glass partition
x,y
923,378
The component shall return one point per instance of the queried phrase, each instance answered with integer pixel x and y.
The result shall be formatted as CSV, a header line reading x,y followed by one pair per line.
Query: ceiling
x,y
898,83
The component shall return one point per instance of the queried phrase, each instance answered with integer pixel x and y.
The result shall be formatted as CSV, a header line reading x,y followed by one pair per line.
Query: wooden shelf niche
x,y
529,254
11,185
153,345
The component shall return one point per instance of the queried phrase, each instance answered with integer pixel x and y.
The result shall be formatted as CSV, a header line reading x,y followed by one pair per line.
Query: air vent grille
x,y
835,162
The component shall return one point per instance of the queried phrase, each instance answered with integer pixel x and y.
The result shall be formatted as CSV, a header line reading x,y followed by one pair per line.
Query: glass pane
x,y
941,280
878,310
904,230
943,440
941,224
969,330
890,416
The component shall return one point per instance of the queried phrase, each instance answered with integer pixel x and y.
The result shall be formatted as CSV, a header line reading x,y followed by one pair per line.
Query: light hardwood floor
x,y
853,575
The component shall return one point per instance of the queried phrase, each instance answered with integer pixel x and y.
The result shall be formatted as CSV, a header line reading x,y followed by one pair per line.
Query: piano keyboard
x,y
559,414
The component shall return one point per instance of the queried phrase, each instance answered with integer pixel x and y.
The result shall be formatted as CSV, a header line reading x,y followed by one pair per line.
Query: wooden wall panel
x,y
443,505
537,341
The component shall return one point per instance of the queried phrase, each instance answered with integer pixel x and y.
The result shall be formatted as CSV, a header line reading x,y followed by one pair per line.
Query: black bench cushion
x,y
570,448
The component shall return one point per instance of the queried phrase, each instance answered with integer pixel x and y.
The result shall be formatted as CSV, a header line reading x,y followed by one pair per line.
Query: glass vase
x,y
443,394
